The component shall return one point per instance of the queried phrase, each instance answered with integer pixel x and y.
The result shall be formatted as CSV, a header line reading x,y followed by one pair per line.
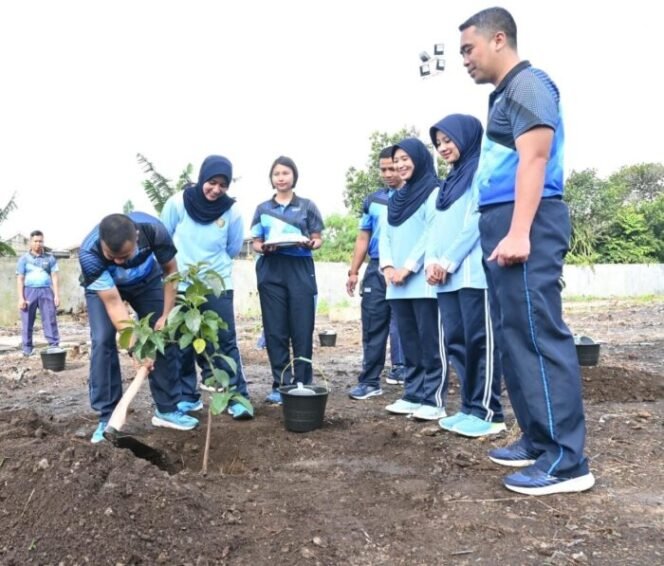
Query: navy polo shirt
x,y
525,99
154,248
273,221
374,214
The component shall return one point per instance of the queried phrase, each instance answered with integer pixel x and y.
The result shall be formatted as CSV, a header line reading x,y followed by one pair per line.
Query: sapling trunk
x,y
206,450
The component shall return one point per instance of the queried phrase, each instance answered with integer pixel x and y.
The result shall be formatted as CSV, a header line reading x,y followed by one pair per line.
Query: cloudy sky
x,y
88,85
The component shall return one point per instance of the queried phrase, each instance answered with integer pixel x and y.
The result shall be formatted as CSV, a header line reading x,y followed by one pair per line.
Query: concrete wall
x,y
628,280
596,281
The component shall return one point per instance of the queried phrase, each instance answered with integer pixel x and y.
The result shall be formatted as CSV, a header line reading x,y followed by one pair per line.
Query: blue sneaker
x,y
274,398
515,455
98,434
190,406
260,343
396,375
177,420
239,412
448,422
28,353
364,391
474,427
533,481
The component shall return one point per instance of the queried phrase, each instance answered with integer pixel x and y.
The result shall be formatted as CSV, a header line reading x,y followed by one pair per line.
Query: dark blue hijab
x,y
417,189
200,209
466,133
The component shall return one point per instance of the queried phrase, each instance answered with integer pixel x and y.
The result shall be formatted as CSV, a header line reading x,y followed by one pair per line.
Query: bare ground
x,y
367,488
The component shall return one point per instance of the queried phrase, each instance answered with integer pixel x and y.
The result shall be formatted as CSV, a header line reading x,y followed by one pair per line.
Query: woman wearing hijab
x,y
401,250
454,267
207,227
285,230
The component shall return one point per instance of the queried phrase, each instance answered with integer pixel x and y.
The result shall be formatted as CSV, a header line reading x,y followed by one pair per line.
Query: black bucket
x,y
54,359
328,339
303,413
587,351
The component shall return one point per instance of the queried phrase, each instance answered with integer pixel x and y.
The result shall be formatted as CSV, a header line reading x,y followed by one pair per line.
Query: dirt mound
x,y
366,489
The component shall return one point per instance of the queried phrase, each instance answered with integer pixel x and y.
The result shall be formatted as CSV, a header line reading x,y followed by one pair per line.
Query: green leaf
x,y
199,345
175,317
159,342
215,282
193,320
185,340
209,333
125,338
219,402
242,400
222,377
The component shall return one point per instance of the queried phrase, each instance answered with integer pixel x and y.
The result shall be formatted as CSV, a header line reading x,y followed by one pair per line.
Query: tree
x,y
128,207
340,234
588,214
629,240
654,215
362,182
617,220
6,249
188,326
639,183
159,188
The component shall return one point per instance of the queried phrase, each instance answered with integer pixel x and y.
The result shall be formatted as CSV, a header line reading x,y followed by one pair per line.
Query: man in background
x,y
377,319
37,286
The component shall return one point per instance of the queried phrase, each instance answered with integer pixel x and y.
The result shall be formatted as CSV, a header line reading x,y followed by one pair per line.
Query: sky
x,y
88,85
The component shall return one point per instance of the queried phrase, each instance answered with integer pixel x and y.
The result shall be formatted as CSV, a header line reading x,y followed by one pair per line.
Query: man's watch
x,y
350,272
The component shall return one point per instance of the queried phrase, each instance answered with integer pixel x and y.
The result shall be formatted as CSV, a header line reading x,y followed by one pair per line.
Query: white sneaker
x,y
429,413
402,407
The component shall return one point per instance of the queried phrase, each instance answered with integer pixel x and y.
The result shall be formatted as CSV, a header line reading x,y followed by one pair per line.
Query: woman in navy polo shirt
x,y
285,230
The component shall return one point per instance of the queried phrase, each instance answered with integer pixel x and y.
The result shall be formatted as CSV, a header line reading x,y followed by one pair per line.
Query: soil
x,y
366,488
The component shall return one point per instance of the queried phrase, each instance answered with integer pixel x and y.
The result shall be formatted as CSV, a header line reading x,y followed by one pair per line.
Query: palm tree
x,y
6,249
159,188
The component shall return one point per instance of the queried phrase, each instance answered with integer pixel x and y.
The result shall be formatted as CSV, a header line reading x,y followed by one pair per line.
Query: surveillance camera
x,y
424,57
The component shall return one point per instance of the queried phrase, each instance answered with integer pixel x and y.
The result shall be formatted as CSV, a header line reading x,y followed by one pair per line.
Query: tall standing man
x,y
525,232
377,319
37,286
125,258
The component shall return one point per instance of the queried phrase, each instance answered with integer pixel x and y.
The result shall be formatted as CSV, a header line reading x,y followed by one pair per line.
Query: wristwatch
x,y
350,272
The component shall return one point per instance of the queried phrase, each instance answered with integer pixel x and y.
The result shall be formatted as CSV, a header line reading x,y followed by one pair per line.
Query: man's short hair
x,y
36,233
386,153
115,230
491,21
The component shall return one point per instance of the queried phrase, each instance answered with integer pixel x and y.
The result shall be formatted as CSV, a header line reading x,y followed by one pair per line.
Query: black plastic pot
x,y
53,359
587,350
303,412
328,339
